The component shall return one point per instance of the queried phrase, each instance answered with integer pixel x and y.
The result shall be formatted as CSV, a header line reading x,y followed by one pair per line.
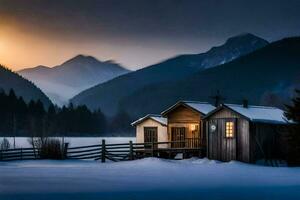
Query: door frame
x,y
179,132
151,133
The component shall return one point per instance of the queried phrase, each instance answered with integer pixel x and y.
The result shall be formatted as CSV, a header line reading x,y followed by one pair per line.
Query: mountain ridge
x,y
171,69
63,81
21,86
259,77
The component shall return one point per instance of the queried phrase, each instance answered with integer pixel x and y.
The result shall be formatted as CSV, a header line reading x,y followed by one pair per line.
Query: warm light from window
x,y
193,127
229,129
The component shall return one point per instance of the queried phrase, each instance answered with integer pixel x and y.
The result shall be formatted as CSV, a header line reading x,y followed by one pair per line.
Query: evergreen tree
x,y
22,111
21,119
12,98
293,114
51,123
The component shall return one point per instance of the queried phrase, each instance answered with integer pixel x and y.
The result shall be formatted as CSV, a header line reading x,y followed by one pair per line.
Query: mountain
x,y
108,96
64,81
267,76
22,87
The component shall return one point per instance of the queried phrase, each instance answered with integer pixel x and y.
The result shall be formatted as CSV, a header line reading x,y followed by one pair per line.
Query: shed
x,y
151,128
243,132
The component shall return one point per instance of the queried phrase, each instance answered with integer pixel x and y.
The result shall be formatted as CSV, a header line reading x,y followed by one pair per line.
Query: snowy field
x,y
22,142
149,178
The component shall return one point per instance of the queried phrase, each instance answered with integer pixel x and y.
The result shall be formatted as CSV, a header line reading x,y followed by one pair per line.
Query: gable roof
x,y
201,107
158,118
252,113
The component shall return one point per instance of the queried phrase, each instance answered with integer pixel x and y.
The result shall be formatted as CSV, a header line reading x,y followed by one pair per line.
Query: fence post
x,y
65,151
0,154
130,151
103,151
21,154
152,152
34,153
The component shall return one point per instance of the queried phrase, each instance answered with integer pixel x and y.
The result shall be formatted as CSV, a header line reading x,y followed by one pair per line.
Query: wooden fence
x,y
113,152
103,151
19,154
131,151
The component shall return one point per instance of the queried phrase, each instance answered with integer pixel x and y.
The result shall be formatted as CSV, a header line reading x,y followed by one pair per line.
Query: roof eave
x,y
141,120
222,106
178,103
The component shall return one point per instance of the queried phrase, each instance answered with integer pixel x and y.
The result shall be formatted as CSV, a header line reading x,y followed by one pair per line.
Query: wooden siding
x,y
225,149
264,137
220,147
183,114
161,132
185,117
188,132
225,113
243,142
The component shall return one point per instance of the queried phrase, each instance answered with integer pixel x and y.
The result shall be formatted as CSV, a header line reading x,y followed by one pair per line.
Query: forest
x,y
33,119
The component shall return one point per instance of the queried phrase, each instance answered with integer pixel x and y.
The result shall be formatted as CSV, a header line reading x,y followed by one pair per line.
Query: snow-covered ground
x,y
22,142
149,178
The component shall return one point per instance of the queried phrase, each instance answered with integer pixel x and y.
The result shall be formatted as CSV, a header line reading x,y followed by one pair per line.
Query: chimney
x,y
245,103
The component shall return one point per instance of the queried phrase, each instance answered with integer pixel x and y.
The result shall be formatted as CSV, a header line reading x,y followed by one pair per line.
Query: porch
x,y
187,143
188,147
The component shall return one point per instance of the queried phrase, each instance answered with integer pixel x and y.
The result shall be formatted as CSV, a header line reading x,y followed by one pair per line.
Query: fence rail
x,y
19,154
113,152
131,151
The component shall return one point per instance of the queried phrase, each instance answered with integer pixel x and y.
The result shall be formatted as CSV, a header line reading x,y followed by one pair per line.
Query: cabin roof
x,y
158,118
201,107
253,113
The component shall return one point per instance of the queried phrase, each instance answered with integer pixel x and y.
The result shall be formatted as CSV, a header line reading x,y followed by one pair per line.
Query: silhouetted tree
x,y
293,114
19,118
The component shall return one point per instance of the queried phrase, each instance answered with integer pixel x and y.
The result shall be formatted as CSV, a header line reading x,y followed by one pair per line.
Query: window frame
x,y
232,128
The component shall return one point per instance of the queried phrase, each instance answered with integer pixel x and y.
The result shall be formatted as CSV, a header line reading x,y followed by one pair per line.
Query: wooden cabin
x,y
185,125
151,128
244,133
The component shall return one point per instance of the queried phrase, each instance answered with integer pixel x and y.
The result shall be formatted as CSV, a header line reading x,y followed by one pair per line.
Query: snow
x,y
260,113
22,142
161,120
202,107
158,118
149,178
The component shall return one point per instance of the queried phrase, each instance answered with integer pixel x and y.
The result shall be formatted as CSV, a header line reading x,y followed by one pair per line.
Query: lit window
x,y
194,127
229,129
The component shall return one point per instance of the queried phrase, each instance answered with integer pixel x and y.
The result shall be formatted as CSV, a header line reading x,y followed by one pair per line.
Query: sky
x,y
134,33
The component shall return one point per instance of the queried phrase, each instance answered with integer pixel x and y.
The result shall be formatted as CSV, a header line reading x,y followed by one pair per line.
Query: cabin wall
x,y
243,140
185,117
183,114
225,149
188,130
266,141
162,135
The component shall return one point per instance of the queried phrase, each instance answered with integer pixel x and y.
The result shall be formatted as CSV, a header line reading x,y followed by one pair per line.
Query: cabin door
x,y
150,135
222,143
178,137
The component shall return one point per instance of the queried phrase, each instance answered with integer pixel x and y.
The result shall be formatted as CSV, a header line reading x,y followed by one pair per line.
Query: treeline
x,y
19,118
